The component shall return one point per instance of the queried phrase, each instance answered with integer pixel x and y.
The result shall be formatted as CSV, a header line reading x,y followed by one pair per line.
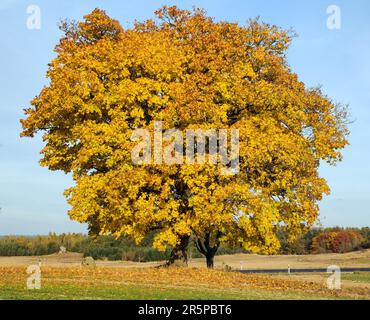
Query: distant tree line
x,y
101,247
327,240
317,240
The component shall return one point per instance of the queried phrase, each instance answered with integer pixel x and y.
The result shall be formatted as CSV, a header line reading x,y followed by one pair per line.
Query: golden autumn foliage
x,y
188,71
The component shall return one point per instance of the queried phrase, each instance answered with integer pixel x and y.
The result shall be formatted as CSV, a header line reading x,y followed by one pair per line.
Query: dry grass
x,y
246,261
352,259
80,282
64,278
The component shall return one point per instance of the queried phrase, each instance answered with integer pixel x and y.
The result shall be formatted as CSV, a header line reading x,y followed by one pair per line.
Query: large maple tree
x,y
190,72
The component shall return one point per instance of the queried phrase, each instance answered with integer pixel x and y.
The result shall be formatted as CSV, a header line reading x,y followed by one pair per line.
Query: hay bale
x,y
88,262
62,250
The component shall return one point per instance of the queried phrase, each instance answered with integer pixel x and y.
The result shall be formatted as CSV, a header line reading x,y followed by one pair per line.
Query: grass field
x,y
246,261
161,283
64,278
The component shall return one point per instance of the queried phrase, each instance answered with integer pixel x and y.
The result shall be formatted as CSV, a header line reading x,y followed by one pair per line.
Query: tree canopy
x,y
190,72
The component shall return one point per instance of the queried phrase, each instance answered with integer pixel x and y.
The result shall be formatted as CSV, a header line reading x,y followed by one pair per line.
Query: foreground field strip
x,y
212,283
82,289
163,275
202,286
349,293
141,292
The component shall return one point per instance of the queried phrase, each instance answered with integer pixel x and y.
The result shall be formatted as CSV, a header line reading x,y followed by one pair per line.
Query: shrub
x,y
336,241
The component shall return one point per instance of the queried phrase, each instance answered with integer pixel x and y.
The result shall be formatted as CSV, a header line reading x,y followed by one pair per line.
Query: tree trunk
x,y
210,260
204,247
179,252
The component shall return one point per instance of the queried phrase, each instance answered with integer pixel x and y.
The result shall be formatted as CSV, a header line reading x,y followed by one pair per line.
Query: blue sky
x,y
31,197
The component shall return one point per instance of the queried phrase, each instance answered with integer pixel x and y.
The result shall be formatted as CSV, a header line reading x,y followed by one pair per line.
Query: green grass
x,y
168,284
357,277
128,292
